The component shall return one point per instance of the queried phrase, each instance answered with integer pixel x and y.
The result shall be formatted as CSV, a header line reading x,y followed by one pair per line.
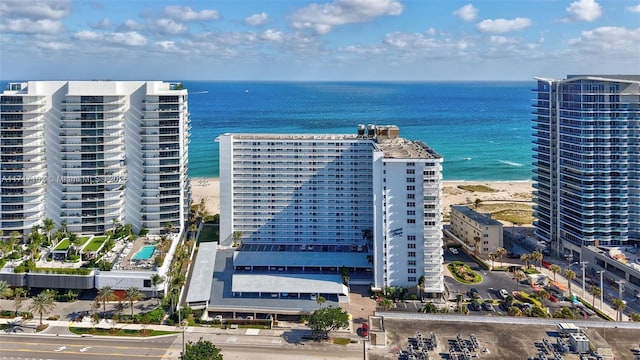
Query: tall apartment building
x,y
90,153
370,201
586,146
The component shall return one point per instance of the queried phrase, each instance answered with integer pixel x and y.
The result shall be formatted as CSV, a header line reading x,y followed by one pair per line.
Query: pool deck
x,y
128,263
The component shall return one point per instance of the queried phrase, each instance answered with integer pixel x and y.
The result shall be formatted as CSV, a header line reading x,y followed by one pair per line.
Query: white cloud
x,y
322,18
52,45
43,9
272,35
502,40
501,26
467,13
167,26
635,9
131,25
188,14
584,10
102,24
130,38
257,19
609,40
29,26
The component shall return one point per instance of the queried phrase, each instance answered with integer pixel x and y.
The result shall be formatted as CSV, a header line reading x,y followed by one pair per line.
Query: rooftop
x,y
479,218
400,148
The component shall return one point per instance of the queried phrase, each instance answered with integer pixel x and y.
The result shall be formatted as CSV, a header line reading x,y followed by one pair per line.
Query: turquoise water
x,y
482,129
145,253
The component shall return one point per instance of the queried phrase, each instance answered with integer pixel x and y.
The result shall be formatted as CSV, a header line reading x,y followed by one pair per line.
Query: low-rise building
x,y
479,231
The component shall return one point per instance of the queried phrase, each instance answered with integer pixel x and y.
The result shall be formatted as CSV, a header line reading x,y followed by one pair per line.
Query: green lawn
x,y
209,233
63,245
95,243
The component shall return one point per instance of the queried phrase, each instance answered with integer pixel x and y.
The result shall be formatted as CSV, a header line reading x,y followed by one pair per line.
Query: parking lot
x,y
501,341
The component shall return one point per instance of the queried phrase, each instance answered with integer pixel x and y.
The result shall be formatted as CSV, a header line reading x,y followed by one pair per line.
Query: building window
x,y
411,180
411,254
411,263
411,279
411,246
411,221
411,204
411,171
411,213
411,237
411,188
411,271
411,196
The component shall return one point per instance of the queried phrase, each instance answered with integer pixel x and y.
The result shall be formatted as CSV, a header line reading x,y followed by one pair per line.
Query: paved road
x,y
16,346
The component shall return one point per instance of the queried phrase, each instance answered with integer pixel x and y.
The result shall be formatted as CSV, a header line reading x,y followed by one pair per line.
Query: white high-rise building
x,y
91,153
370,202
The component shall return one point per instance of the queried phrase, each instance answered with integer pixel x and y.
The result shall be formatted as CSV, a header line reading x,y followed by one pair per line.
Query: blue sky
x,y
317,40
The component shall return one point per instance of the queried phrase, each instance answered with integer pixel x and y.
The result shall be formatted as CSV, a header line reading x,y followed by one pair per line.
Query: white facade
x,y
89,153
339,191
476,229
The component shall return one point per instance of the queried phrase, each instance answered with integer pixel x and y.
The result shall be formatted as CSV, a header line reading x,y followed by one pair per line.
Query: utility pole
x,y
583,265
601,272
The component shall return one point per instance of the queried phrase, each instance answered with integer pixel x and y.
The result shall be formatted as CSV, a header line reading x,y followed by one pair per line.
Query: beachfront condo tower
x,y
90,154
368,202
586,143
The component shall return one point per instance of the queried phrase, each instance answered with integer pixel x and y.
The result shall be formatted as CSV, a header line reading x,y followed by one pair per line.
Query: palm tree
x,y
555,268
156,280
14,239
321,300
518,276
476,241
19,294
514,311
193,229
420,285
493,258
595,291
537,256
105,294
569,275
133,294
237,235
48,226
477,203
525,260
42,303
386,304
168,227
5,290
500,251
543,294
619,305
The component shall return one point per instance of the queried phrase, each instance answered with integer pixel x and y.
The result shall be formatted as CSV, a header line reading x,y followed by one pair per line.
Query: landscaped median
x,y
463,273
119,332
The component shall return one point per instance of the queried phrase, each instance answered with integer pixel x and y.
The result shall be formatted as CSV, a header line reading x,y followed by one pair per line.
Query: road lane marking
x,y
232,339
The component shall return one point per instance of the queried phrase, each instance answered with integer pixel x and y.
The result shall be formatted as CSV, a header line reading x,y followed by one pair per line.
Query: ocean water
x,y
482,129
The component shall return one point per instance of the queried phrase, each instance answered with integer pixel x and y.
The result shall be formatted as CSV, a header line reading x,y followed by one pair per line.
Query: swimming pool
x,y
145,253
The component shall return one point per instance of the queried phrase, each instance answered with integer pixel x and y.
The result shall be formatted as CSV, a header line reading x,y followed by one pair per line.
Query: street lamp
x,y
583,265
184,325
601,272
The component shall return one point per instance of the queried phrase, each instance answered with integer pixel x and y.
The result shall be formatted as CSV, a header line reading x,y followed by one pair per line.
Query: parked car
x,y
487,306
513,256
473,293
475,305
454,251
503,294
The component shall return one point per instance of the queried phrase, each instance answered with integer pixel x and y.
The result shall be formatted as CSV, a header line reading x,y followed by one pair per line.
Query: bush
x,y
463,273
54,317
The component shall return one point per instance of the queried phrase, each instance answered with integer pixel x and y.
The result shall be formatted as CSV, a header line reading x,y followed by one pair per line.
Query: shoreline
x,y
208,189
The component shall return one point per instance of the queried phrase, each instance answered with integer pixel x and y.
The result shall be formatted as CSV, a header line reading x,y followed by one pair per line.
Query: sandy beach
x,y
209,190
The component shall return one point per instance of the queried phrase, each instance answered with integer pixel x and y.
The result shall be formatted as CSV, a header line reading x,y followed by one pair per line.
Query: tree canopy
x,y
201,350
325,320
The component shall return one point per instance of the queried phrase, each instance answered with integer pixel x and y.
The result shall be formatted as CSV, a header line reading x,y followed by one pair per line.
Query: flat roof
x,y
401,148
202,274
288,283
300,258
479,218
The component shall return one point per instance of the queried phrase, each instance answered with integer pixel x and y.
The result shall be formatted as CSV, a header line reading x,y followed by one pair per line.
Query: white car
x,y
454,251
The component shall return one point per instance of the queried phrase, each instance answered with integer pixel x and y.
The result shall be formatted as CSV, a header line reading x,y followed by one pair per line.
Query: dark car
x,y
473,293
513,256
487,306
475,306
